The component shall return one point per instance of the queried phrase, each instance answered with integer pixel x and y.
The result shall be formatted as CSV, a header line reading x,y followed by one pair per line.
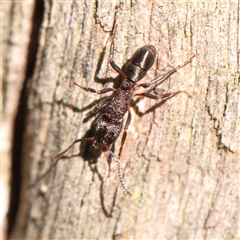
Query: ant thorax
x,y
127,84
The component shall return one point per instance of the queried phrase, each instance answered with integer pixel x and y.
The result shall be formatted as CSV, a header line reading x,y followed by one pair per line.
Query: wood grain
x,y
180,161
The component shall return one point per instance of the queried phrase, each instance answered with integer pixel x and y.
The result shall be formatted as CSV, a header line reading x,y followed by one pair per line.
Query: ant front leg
x,y
161,78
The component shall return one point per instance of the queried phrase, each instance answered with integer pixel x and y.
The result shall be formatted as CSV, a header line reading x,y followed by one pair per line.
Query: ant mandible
x,y
108,124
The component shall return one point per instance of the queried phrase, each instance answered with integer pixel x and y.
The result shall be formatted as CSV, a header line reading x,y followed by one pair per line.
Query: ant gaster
x,y
108,124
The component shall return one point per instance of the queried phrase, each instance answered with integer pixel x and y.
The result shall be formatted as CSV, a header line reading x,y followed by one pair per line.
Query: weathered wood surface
x,y
181,161
16,24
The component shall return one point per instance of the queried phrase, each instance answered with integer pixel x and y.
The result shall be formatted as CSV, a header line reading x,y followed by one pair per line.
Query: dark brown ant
x,y
108,124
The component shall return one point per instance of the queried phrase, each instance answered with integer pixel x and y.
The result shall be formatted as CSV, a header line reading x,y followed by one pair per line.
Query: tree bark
x,y
16,25
180,160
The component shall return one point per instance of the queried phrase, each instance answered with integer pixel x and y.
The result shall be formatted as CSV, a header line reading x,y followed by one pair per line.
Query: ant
x,y
108,124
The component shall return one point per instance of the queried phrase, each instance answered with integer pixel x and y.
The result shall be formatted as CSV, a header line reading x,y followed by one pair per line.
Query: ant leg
x,y
74,142
172,94
162,96
160,79
125,132
125,189
104,90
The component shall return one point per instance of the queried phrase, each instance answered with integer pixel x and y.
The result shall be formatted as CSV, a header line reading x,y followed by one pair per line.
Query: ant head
x,y
141,61
144,57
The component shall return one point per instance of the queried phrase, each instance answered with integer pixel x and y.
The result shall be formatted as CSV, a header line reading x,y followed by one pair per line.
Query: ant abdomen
x,y
105,133
141,61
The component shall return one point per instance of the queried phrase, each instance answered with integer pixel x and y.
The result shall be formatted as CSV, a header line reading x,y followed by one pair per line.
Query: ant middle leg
x,y
163,96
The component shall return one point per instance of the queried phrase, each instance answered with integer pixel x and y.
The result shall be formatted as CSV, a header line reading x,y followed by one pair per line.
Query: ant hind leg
x,y
120,176
69,147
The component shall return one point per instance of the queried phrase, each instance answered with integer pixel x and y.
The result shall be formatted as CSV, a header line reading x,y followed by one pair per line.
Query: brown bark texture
x,y
180,160
16,23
